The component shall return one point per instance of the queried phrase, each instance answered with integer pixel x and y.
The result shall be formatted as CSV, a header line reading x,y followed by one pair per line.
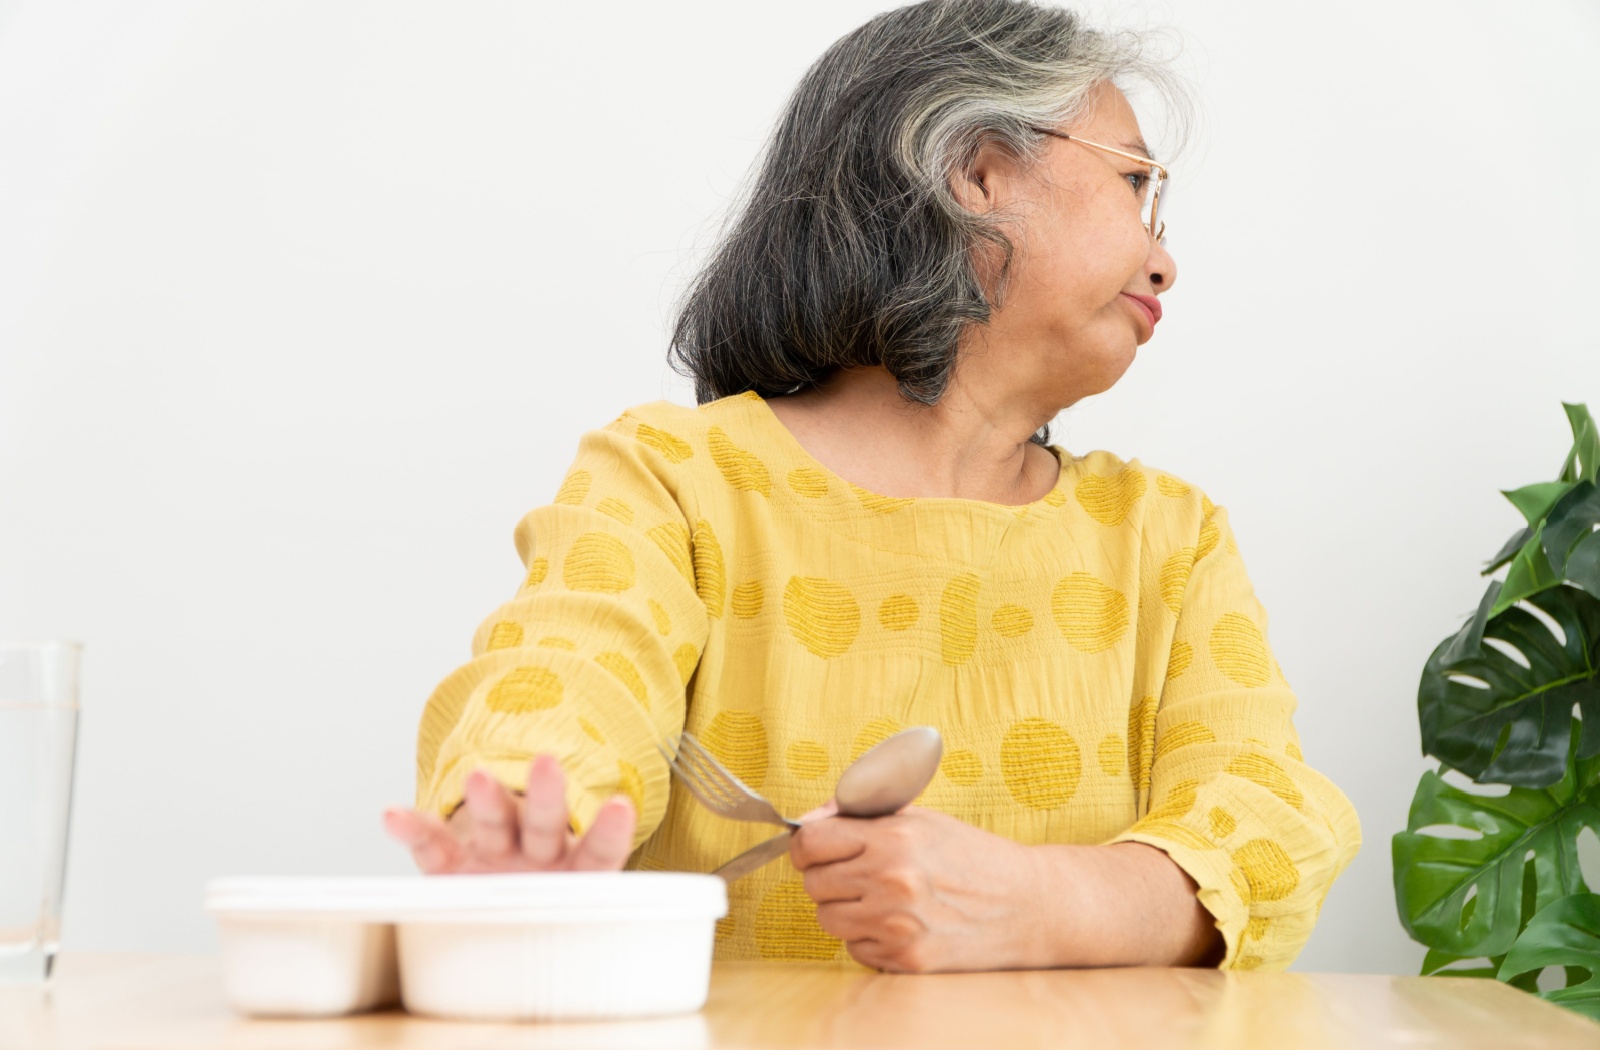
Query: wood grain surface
x,y
174,1002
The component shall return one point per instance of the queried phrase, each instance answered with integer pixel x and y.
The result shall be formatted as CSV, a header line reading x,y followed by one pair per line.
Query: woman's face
x,y
1068,325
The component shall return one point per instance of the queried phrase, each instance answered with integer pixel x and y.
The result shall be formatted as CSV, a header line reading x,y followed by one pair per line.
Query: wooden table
x,y
174,1002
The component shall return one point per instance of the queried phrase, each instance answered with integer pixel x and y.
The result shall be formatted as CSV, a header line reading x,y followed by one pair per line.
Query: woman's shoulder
x,y
1105,484
715,432
669,417
655,455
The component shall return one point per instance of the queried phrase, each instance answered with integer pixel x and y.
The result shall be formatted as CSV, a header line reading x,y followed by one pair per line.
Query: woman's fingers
x,y
874,955
849,921
433,846
833,883
828,809
495,834
500,835
609,839
828,841
544,814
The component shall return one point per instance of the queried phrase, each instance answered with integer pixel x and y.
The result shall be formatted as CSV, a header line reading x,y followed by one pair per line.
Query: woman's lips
x,y
1148,304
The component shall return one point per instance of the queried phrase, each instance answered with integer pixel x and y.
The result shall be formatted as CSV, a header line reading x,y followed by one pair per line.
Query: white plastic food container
x,y
297,947
548,947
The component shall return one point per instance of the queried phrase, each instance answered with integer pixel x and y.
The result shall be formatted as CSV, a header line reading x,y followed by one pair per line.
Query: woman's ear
x,y
970,191
983,187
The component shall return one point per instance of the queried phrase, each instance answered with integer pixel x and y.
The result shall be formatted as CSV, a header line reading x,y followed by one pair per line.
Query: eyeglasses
x,y
1151,206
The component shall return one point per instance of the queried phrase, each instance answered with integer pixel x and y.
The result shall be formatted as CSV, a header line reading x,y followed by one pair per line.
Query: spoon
x,y
884,780
889,777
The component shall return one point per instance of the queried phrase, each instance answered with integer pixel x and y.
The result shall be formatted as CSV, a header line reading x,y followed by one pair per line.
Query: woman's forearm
x,y
1125,904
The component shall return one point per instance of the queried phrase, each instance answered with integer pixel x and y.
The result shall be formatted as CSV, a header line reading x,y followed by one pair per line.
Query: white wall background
x,y
303,304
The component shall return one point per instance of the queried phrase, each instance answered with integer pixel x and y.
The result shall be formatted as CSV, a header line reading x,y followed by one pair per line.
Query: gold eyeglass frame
x,y
1158,176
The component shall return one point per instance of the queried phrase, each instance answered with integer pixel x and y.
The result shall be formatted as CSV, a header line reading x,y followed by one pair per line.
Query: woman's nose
x,y
1160,267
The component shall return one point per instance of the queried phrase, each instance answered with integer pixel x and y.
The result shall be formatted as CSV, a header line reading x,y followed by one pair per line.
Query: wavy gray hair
x,y
850,247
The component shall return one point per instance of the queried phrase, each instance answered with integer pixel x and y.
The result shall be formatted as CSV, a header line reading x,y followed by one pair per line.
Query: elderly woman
x,y
955,234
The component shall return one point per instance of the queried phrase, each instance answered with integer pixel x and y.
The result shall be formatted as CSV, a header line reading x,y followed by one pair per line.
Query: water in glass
x,y
38,732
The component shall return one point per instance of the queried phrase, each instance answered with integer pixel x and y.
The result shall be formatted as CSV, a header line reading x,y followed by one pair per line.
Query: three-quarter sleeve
x,y
591,659
1231,799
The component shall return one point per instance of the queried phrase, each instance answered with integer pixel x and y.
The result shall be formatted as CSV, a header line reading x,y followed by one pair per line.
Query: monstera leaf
x,y
1485,713
1436,961
1529,574
1464,896
1570,542
1491,884
1560,541
1566,933
1583,462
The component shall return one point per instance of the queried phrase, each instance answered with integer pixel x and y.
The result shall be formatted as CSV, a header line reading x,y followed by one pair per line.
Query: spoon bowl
x,y
890,776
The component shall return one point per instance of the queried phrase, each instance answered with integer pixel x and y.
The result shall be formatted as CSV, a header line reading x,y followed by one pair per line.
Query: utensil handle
x,y
755,857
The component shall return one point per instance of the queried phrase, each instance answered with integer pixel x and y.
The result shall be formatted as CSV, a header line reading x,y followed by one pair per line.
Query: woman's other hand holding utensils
x,y
916,891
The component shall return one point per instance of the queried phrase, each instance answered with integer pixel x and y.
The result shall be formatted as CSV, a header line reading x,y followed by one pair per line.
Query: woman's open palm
x,y
495,831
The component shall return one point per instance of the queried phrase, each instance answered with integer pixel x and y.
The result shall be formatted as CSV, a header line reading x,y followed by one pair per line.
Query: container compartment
x,y
555,972
287,967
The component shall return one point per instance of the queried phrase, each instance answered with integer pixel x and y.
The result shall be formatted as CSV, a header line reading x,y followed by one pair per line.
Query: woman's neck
x,y
967,446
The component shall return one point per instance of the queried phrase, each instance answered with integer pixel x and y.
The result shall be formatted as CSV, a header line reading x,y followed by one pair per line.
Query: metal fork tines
x,y
717,789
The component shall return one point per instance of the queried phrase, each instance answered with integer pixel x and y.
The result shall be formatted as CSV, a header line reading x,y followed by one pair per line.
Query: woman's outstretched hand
x,y
495,831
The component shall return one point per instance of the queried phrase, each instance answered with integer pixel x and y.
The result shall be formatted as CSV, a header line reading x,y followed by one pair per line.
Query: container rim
x,y
546,896
40,643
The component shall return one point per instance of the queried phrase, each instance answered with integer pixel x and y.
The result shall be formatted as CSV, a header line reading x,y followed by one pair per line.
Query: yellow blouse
x,y
1096,661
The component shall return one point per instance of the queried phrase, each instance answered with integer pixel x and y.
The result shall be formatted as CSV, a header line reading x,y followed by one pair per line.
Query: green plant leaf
x,y
1439,963
1512,729
1465,896
1583,462
1469,639
1509,551
1529,574
1572,519
1535,501
1583,565
1436,962
1565,933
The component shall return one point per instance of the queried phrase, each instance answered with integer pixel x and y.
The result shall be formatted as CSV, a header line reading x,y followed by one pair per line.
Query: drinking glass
x,y
38,735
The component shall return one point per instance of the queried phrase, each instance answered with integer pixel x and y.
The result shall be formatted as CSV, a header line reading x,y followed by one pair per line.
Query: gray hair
x,y
850,247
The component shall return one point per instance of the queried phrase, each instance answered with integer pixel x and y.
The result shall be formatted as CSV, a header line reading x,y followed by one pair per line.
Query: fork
x,y
717,789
